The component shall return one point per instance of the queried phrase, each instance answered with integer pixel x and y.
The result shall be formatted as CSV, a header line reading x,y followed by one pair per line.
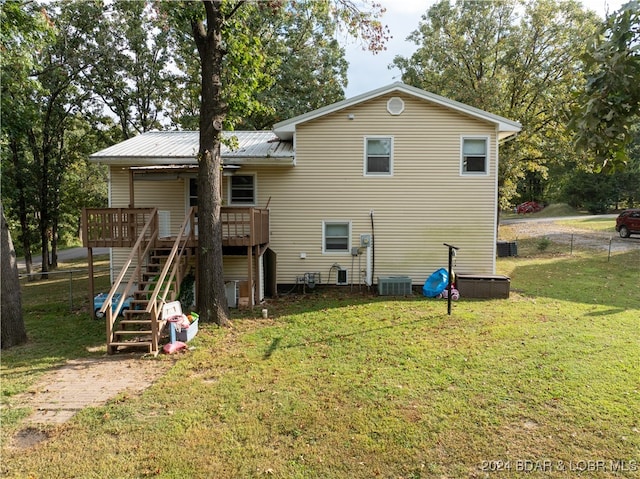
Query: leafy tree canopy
x,y
610,103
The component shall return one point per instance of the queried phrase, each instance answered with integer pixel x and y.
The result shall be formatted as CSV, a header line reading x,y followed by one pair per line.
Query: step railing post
x,y
155,340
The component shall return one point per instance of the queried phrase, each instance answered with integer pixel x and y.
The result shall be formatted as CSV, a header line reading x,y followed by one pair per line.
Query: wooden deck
x,y
121,227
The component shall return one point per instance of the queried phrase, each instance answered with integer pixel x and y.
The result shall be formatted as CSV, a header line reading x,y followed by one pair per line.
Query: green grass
x,y
601,225
339,385
59,327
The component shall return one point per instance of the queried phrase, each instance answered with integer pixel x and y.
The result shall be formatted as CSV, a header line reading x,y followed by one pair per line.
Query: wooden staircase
x,y
135,328
156,268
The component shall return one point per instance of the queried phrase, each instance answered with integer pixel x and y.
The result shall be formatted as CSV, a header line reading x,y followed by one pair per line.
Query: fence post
x,y
70,291
571,252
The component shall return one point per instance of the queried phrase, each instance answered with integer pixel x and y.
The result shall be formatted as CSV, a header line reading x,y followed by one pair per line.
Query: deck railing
x,y
244,226
116,227
120,227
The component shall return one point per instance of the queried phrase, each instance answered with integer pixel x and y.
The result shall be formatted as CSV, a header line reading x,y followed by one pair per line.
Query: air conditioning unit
x,y
394,285
231,292
164,223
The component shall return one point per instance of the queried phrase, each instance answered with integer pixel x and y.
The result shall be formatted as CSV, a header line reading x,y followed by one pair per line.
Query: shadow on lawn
x,y
330,338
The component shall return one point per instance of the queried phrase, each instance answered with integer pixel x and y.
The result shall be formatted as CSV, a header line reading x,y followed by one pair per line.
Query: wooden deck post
x,y
131,193
250,275
91,281
256,268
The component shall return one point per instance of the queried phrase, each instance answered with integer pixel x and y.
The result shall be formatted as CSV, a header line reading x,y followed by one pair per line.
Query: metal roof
x,y
286,129
171,147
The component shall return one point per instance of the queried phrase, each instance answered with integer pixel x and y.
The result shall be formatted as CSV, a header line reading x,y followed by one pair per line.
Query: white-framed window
x,y
475,155
193,192
336,236
242,190
378,156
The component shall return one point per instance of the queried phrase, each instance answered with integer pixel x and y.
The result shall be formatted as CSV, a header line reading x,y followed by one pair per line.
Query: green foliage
x,y
591,191
518,59
610,101
307,63
280,61
543,244
599,191
45,123
129,64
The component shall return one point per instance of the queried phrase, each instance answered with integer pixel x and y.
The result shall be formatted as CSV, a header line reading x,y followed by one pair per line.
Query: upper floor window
x,y
475,156
242,190
378,159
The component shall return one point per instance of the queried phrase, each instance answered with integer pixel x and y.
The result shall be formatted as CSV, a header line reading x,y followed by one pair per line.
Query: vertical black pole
x,y
449,282
451,253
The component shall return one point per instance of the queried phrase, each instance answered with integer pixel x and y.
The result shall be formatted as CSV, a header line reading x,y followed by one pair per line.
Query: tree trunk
x,y
41,158
20,175
212,301
12,324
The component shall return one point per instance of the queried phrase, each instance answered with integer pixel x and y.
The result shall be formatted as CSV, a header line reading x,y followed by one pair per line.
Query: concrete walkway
x,y
85,382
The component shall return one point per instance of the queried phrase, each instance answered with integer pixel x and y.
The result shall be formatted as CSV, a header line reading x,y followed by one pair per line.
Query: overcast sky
x,y
368,71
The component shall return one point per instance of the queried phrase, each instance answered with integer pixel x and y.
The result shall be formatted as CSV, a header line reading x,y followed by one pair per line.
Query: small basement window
x,y
475,156
336,236
378,159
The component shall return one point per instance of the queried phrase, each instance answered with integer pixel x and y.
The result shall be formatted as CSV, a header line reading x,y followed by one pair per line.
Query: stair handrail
x,y
159,295
189,220
106,306
159,292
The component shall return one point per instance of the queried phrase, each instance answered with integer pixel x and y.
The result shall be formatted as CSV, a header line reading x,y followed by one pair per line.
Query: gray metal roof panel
x,y
163,147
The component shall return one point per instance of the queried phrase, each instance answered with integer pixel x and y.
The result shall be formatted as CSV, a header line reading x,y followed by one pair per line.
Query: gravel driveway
x,y
568,235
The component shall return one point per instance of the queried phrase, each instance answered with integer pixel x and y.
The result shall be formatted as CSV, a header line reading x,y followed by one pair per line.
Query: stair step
x,y
133,332
131,344
135,321
135,312
139,301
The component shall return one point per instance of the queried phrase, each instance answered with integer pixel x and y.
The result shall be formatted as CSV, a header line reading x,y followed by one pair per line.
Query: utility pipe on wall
x,y
371,252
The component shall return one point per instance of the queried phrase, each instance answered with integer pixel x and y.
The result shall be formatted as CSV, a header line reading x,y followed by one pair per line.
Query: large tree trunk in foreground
x,y
212,301
12,324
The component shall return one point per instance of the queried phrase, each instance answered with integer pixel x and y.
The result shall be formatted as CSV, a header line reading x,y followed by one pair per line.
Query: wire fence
x,y
569,243
70,286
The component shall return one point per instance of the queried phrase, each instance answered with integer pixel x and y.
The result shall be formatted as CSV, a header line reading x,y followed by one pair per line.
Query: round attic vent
x,y
395,105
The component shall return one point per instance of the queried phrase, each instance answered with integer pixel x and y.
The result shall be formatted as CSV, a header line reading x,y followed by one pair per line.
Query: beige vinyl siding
x,y
424,204
166,195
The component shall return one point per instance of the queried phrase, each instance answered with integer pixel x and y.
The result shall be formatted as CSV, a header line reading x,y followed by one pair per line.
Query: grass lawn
x,y
335,385
601,225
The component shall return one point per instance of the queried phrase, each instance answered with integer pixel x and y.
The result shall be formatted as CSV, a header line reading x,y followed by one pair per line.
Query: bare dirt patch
x,y
29,437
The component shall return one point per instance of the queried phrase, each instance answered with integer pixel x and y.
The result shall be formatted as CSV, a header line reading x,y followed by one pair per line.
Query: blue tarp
x,y
436,283
98,301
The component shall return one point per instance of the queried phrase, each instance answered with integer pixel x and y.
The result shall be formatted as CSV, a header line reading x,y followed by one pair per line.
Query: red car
x,y
628,223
